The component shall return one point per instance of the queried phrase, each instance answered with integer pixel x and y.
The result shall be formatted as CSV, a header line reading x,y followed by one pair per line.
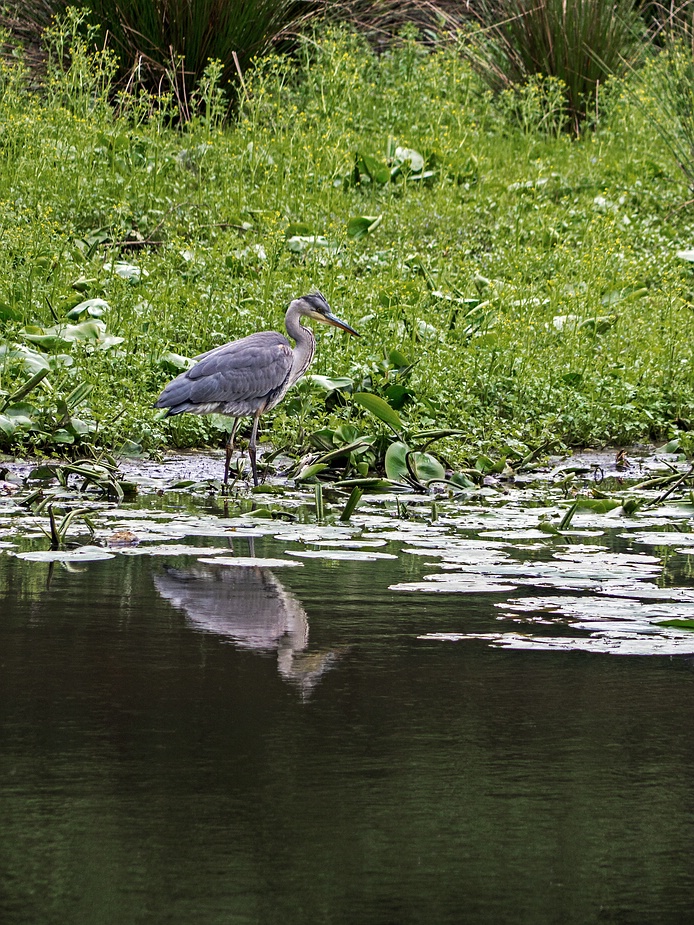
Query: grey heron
x,y
250,376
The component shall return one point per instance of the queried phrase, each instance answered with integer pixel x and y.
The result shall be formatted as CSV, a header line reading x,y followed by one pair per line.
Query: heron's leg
x,y
251,448
230,449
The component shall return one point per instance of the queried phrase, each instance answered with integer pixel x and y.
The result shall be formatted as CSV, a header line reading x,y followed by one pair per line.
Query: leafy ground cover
x,y
512,284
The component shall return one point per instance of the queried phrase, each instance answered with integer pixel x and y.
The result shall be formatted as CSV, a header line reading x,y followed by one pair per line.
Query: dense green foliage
x,y
520,286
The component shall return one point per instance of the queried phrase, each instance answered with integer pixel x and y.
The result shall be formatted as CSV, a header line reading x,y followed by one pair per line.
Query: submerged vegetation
x,y
516,287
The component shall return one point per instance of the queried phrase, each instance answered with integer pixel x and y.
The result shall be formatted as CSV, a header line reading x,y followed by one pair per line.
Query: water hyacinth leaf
x,y
427,467
79,394
47,341
84,331
299,244
345,450
26,388
174,362
32,361
375,170
127,271
409,155
298,228
607,645
473,585
350,507
22,414
9,313
95,308
309,472
378,407
331,384
396,462
361,225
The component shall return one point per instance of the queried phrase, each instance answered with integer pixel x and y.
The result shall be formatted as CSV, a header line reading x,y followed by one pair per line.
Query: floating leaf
x,y
351,555
249,562
82,554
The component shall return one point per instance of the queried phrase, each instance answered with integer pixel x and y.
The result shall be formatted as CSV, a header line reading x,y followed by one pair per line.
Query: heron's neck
x,y
305,345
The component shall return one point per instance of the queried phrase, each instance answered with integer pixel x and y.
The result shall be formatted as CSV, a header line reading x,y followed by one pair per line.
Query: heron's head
x,y
314,305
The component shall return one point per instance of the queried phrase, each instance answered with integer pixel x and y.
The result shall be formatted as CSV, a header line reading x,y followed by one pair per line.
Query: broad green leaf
x,y
377,171
398,395
346,449
378,407
415,159
79,394
127,271
331,385
308,472
352,503
300,228
174,362
248,562
300,243
9,313
95,308
598,505
361,225
7,425
395,462
427,467
484,464
82,554
48,341
27,387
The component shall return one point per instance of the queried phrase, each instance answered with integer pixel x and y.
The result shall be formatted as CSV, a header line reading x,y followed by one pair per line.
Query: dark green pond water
x,y
184,743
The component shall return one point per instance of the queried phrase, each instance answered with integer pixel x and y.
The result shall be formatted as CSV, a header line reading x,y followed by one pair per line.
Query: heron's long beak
x,y
331,319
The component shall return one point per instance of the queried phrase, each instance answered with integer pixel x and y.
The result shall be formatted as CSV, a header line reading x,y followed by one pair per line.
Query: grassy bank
x,y
520,286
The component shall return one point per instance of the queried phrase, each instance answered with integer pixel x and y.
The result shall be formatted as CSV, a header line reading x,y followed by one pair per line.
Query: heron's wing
x,y
239,378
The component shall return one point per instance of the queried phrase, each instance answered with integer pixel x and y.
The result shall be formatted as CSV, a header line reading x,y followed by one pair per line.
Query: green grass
x,y
530,226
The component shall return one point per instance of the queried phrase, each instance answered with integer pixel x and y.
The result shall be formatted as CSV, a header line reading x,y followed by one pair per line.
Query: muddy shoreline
x,y
197,466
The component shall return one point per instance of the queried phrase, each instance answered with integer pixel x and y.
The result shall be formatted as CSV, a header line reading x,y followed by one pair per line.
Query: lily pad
x,y
350,555
249,562
81,554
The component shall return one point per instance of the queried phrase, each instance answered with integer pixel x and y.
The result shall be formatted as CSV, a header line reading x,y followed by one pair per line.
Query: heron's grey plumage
x,y
237,379
251,375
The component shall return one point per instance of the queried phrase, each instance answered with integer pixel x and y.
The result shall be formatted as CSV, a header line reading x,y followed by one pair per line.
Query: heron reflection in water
x,y
251,608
